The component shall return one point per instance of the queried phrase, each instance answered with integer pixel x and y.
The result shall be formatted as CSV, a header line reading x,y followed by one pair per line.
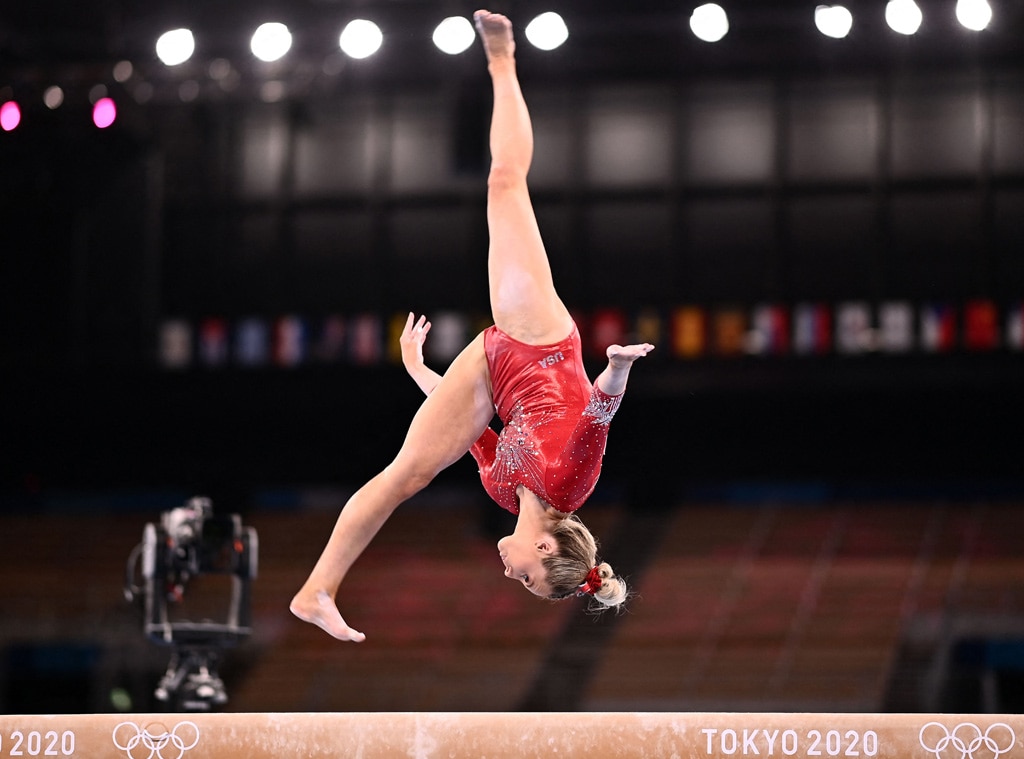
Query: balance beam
x,y
493,735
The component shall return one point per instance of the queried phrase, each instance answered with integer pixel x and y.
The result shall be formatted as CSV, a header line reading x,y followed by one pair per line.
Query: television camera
x,y
167,571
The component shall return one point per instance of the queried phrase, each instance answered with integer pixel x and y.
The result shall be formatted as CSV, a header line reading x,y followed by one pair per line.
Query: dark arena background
x,y
814,484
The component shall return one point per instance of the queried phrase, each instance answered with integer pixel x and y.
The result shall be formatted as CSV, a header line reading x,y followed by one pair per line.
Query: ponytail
x,y
574,569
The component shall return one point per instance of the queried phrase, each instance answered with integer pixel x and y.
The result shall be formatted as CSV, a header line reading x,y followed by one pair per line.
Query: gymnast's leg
x,y
524,303
450,420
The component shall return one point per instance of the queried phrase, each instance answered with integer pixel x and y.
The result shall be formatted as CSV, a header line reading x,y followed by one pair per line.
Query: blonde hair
x,y
567,568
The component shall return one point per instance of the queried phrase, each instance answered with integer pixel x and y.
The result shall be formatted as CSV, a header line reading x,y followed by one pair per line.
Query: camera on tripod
x,y
183,563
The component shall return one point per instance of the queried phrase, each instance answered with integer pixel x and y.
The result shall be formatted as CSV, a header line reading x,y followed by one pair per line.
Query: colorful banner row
x,y
687,332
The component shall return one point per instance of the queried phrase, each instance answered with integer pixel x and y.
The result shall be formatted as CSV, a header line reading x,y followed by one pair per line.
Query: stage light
x,y
270,42
10,116
903,16
188,91
454,35
833,20
547,31
123,71
360,38
709,22
974,14
175,47
53,97
104,113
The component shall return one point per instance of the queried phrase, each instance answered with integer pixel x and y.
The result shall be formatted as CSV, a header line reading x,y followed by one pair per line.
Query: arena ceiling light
x,y
547,31
360,38
175,47
709,22
974,14
10,116
53,97
833,20
104,113
903,16
454,35
271,41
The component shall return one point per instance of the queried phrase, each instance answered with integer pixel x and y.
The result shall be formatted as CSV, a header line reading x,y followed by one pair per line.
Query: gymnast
x,y
528,367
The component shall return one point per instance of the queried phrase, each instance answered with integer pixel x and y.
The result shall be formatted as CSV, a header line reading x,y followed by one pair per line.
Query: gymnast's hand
x,y
620,360
624,355
413,336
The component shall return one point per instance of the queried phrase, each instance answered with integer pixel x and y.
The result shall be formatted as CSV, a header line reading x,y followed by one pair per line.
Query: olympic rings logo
x,y
136,741
965,739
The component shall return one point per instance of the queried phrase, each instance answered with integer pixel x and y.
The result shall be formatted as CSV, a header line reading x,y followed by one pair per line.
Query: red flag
x,y
981,325
608,327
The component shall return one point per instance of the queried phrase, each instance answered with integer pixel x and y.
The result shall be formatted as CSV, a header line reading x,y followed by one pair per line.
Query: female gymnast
x,y
545,462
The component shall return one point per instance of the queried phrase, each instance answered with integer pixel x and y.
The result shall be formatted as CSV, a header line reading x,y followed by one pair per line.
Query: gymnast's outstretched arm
x,y
413,336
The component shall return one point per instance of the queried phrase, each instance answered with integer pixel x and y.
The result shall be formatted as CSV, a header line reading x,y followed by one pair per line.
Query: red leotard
x,y
555,423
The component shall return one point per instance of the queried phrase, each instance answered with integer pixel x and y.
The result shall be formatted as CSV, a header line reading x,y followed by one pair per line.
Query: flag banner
x,y
689,332
812,329
607,327
175,347
393,342
938,328
896,327
769,334
730,331
252,342
365,333
213,342
648,327
449,334
1015,327
289,341
981,325
329,347
853,328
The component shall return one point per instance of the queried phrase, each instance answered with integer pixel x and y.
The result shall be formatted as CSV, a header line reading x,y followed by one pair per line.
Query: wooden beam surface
x,y
473,735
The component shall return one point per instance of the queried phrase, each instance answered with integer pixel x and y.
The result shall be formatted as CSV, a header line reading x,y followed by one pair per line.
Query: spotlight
x,y
547,32
104,113
175,46
10,116
53,97
270,42
709,22
454,35
360,38
833,20
974,14
903,16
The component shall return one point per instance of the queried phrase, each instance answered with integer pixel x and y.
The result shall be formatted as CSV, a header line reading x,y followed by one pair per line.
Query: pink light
x,y
10,116
104,113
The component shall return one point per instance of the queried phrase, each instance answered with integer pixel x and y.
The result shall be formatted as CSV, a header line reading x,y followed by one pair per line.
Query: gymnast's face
x,y
522,558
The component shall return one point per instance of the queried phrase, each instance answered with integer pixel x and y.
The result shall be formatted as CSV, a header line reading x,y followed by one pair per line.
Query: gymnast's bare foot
x,y
318,608
496,34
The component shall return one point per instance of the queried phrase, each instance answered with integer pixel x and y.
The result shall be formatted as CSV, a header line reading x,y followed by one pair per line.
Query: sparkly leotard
x,y
555,423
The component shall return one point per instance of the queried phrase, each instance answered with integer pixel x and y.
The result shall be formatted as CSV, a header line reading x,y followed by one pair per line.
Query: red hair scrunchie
x,y
591,583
